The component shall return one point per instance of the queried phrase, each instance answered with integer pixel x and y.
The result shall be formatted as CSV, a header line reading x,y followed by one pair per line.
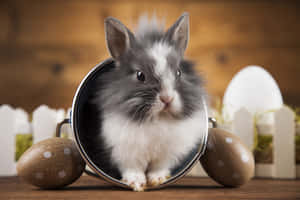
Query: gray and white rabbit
x,y
150,101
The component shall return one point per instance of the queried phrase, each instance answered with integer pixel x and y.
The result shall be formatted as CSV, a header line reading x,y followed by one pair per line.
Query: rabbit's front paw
x,y
157,177
136,180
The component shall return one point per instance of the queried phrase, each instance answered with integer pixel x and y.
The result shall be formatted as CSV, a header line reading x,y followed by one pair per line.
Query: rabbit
x,y
150,101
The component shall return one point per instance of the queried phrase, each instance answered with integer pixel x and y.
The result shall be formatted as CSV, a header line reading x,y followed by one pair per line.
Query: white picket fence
x,y
283,130
16,121
44,119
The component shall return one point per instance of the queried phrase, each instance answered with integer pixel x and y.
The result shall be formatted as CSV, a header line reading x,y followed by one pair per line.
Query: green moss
x,y
23,142
264,142
64,135
297,143
263,151
297,115
256,118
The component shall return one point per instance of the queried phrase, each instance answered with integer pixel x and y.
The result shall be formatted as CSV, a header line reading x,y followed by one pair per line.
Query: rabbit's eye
x,y
178,73
140,76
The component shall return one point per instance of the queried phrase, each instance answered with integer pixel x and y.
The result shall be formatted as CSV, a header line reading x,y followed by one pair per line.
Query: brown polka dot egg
x,y
51,163
226,159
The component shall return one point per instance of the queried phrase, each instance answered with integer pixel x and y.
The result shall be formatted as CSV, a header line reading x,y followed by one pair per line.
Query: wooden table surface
x,y
186,188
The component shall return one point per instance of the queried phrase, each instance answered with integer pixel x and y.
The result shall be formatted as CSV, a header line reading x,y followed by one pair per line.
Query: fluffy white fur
x,y
154,147
147,24
159,52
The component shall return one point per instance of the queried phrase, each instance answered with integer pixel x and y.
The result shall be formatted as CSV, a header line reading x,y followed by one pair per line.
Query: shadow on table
x,y
203,187
86,187
116,188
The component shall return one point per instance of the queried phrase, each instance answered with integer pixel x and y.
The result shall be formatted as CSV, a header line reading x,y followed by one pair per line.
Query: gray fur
x,y
179,33
119,91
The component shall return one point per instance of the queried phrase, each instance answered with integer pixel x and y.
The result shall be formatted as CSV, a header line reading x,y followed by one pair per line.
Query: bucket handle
x,y
58,134
213,122
59,125
67,121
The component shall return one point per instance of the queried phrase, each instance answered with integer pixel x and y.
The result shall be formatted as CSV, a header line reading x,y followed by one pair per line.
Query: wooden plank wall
x,y
46,47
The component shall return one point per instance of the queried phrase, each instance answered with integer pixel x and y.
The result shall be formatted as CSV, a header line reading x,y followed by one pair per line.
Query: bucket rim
x,y
91,164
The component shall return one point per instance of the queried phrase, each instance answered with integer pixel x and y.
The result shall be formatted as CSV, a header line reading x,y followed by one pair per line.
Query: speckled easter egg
x,y
51,163
226,159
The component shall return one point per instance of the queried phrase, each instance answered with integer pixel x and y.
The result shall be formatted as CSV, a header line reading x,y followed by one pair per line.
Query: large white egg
x,y
254,89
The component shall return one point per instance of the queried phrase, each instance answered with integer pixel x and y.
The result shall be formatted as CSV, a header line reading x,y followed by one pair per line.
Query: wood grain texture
x,y
186,188
213,23
50,75
47,47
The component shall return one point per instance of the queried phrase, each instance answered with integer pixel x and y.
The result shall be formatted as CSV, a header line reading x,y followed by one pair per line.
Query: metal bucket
x,y
78,114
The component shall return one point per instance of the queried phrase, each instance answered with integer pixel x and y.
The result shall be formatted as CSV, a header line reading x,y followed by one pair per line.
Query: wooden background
x,y
47,47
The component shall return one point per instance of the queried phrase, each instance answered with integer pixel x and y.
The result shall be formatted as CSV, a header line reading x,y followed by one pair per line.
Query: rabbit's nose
x,y
166,99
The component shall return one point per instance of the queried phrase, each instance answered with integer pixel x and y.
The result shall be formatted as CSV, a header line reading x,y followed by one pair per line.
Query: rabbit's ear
x,y
117,37
179,32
